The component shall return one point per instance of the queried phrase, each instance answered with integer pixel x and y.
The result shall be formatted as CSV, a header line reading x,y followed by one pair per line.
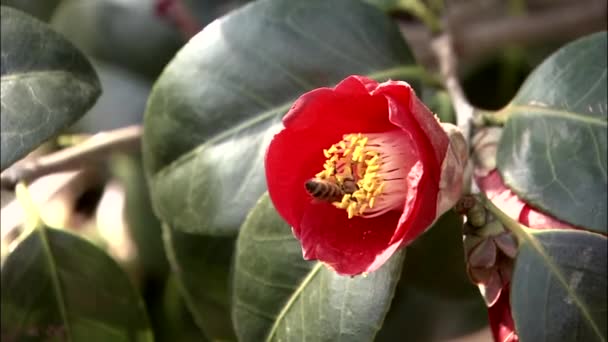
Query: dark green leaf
x,y
201,267
46,84
278,296
554,147
385,5
418,315
59,287
440,248
173,320
208,10
220,101
434,300
559,287
124,33
41,9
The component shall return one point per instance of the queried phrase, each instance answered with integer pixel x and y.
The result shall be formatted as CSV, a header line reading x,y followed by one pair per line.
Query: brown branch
x,y
92,150
446,58
478,35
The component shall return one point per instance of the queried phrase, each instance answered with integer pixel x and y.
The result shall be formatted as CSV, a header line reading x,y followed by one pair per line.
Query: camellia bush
x,y
303,170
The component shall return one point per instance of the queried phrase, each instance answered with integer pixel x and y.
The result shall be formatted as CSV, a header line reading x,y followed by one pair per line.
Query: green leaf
x,y
439,102
558,290
57,286
278,296
206,11
201,267
432,305
440,248
385,5
113,31
216,106
47,84
553,150
170,317
418,315
41,9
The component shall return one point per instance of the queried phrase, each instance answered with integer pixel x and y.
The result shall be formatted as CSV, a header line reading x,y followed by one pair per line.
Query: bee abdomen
x,y
323,190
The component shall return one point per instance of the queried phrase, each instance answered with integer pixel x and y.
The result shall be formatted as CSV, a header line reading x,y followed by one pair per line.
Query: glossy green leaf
x,y
47,84
174,321
59,287
559,287
553,150
278,296
219,102
201,267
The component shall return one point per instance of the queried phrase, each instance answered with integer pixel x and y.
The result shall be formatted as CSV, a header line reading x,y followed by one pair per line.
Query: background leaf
x,y
559,287
144,228
57,286
553,150
113,32
46,84
41,9
219,102
280,296
435,300
122,103
201,267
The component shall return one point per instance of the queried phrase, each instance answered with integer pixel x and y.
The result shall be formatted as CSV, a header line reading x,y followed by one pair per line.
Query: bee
x,y
324,190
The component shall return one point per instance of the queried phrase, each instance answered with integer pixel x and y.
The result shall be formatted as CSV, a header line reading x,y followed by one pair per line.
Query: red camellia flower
x,y
361,170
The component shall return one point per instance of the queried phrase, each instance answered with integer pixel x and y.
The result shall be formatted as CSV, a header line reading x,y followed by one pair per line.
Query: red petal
x,y
349,246
512,205
349,108
501,321
317,120
410,114
415,114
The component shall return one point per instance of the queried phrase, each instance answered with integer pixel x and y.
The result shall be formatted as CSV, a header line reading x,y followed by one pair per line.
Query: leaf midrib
x,y
546,111
292,299
33,74
555,271
524,235
54,274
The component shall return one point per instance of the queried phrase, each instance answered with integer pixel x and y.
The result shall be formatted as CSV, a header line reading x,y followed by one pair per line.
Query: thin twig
x,y
446,58
477,35
92,150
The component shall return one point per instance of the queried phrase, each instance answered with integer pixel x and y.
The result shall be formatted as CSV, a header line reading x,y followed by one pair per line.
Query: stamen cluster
x,y
360,158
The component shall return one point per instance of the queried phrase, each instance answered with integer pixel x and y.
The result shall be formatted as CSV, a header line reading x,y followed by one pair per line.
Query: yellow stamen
x,y
352,159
